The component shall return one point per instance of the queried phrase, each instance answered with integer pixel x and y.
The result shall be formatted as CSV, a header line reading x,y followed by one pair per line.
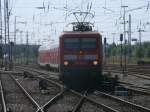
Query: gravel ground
x,y
15,99
87,107
64,104
112,103
138,99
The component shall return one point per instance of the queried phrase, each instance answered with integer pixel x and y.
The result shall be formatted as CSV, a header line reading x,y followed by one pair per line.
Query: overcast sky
x,y
47,24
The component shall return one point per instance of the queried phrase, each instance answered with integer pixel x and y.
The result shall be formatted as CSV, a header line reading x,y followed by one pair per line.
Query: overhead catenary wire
x,y
60,8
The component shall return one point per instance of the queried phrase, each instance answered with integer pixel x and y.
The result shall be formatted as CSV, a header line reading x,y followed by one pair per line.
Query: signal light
x,y
66,63
95,62
81,52
121,37
105,41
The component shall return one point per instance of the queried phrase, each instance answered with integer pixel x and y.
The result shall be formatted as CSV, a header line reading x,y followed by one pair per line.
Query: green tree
x,y
140,52
148,53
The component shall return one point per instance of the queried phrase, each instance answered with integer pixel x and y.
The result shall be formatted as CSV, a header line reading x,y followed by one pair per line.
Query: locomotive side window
x,y
88,43
71,43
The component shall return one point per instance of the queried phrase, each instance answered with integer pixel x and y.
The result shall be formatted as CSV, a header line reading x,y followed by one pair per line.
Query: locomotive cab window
x,y
71,43
80,43
88,43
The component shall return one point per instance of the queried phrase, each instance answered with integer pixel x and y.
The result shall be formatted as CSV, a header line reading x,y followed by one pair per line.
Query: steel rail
x,y
52,100
105,107
140,87
136,89
139,90
35,70
130,73
136,106
41,77
52,75
129,65
131,86
130,69
27,94
3,99
79,104
13,72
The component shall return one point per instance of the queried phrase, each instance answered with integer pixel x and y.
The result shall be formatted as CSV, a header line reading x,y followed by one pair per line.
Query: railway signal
x,y
121,39
105,42
11,56
1,51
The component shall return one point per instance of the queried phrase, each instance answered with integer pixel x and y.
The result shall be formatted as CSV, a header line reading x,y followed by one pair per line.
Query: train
x,y
78,57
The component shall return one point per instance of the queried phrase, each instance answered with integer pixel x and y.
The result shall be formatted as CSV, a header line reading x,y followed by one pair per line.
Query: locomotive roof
x,y
79,32
84,32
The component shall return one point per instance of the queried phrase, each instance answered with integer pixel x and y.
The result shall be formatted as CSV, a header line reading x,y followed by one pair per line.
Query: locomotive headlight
x,y
81,52
66,63
95,62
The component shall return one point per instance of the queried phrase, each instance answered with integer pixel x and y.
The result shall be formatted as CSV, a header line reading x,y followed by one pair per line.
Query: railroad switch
x,y
27,74
9,110
43,86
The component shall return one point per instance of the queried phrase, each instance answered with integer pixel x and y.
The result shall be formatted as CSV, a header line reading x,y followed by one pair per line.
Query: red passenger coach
x,y
49,56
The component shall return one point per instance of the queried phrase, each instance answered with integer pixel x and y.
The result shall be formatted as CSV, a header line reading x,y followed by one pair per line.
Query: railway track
x,y
137,76
64,100
13,97
54,76
134,106
75,105
130,69
117,103
135,80
133,70
47,74
31,85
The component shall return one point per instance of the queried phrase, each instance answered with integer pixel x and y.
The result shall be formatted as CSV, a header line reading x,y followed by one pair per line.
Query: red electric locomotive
x,y
78,56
